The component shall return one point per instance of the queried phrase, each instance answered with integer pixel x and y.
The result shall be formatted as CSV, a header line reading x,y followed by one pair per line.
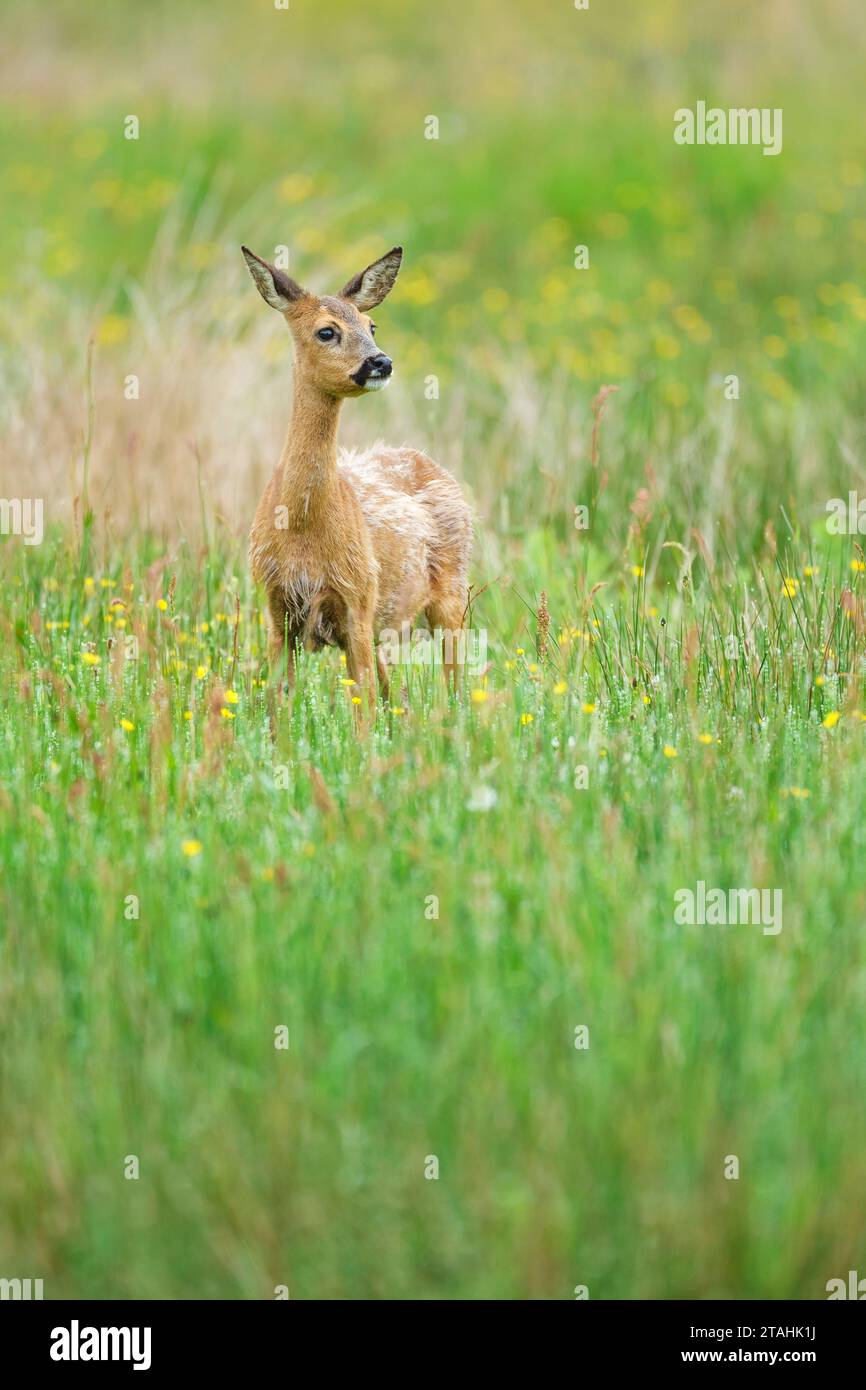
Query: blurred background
x,y
306,128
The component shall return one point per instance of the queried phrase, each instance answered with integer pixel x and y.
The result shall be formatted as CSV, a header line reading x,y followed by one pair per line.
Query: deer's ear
x,y
275,287
369,287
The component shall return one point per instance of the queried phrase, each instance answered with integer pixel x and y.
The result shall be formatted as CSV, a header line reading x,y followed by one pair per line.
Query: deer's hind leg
x,y
447,612
382,670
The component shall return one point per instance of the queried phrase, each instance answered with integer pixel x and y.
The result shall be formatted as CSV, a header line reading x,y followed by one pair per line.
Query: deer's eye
x,y
326,334
372,330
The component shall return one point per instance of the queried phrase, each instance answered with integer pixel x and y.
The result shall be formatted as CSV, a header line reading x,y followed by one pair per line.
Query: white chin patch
x,y
375,383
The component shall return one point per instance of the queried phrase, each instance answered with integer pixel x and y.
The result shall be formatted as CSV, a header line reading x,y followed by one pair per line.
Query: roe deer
x,y
347,544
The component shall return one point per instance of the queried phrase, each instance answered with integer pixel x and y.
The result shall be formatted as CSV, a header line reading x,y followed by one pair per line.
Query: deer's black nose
x,y
373,372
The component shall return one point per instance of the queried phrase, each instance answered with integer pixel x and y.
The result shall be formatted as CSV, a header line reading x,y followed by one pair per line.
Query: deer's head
x,y
334,344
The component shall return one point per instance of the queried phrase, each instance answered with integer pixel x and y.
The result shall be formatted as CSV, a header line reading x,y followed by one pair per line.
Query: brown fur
x,y
349,544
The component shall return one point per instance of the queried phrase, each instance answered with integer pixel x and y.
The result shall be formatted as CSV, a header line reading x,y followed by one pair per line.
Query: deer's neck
x,y
308,467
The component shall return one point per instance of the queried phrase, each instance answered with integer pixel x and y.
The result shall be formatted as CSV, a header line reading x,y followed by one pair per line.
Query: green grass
x,y
705,632
308,906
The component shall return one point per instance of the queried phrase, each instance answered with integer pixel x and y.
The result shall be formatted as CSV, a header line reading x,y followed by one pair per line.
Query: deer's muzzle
x,y
373,372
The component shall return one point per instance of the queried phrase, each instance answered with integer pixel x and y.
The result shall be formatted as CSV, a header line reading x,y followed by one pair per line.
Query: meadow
x,y
673,692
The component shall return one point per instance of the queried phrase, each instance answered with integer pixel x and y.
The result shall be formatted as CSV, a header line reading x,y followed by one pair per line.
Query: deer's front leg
x,y
360,660
281,641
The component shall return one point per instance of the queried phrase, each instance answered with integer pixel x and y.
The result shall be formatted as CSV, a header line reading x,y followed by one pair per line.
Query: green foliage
x,y
284,869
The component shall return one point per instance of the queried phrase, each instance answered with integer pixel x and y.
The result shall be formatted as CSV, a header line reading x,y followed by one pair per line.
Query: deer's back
x,y
420,526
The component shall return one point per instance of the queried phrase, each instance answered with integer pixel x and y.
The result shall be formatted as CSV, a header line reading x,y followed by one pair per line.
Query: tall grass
x,y
306,901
